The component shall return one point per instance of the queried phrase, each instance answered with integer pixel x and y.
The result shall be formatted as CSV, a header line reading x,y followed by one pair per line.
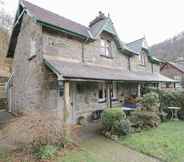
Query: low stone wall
x,y
3,103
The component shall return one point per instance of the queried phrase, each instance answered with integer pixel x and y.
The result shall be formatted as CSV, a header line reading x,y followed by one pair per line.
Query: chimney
x,y
101,16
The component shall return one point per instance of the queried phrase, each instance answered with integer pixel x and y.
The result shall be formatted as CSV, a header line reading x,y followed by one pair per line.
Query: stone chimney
x,y
100,17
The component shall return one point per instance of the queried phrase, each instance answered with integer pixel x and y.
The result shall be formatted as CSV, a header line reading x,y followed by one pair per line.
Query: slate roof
x,y
136,45
86,71
178,66
56,22
54,19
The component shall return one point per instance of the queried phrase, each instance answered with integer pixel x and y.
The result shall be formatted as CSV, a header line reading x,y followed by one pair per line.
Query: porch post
x,y
67,110
108,94
139,90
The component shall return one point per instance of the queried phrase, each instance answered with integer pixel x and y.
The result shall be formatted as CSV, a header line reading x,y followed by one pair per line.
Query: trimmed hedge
x,y
114,121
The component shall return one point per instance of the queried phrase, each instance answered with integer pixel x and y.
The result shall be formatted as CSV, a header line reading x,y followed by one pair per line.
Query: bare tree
x,y
5,18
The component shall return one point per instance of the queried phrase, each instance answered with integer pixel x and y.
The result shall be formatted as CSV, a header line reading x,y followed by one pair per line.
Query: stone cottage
x,y
60,65
173,70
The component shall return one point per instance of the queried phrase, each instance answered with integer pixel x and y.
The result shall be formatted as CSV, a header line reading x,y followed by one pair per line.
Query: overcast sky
x,y
156,19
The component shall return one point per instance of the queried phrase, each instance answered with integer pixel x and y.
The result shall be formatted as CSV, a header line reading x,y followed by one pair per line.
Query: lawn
x,y
69,156
165,142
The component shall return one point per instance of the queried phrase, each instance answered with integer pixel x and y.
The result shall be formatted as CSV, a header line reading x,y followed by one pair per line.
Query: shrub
x,y
110,116
122,127
144,119
46,152
151,101
112,120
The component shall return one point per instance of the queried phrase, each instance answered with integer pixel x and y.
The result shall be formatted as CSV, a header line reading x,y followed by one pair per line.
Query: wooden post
x,y
139,90
67,110
109,100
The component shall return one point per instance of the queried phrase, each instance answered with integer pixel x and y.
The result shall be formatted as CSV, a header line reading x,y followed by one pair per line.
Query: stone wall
x,y
85,97
56,44
137,66
34,86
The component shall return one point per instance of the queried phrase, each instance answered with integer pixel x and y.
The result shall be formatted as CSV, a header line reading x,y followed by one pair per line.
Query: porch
x,y
86,88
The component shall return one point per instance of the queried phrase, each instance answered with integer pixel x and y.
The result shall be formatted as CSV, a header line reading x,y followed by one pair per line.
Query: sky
x,y
158,20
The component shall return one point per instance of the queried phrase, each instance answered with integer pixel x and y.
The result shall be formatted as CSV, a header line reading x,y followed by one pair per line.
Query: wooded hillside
x,y
171,49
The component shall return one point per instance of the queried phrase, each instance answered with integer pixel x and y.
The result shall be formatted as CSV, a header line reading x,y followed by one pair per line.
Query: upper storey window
x,y
142,59
106,48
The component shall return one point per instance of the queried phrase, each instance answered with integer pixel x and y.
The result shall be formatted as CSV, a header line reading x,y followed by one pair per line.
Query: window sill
x,y
108,57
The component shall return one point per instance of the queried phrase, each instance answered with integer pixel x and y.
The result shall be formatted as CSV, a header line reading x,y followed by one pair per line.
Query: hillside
x,y
171,49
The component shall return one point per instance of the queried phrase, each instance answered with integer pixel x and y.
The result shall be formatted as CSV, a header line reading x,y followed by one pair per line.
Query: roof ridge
x,y
136,40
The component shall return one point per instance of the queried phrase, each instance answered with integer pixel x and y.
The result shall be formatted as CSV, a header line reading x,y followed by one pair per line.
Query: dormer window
x,y
106,49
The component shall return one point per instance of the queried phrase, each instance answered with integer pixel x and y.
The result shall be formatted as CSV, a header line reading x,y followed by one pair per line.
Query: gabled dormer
x,y
103,25
141,47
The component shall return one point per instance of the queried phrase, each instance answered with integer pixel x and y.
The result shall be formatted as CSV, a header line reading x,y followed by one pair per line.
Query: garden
x,y
151,130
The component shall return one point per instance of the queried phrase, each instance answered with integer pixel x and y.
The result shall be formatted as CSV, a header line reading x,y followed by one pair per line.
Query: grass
x,y
165,142
75,155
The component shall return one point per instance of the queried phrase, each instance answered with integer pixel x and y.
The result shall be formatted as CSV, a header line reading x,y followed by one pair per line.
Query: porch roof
x,y
74,70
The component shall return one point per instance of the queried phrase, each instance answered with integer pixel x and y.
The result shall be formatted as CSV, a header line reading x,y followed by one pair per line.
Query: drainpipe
x,y
110,93
129,65
85,41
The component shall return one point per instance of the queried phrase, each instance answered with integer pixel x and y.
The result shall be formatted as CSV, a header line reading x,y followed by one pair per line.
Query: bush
x,y
122,127
151,101
46,152
114,120
110,116
141,120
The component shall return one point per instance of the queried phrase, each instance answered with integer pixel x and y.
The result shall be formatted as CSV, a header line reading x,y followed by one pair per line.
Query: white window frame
x,y
114,91
142,59
106,49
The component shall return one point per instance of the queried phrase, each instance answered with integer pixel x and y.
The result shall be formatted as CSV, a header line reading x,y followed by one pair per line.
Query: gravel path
x,y
108,150
111,151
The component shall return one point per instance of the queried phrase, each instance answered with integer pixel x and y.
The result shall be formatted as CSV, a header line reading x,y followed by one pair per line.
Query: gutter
x,y
48,25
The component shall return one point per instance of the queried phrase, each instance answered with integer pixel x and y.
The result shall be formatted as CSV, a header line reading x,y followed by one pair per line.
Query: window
x,y
102,93
142,59
114,91
106,49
